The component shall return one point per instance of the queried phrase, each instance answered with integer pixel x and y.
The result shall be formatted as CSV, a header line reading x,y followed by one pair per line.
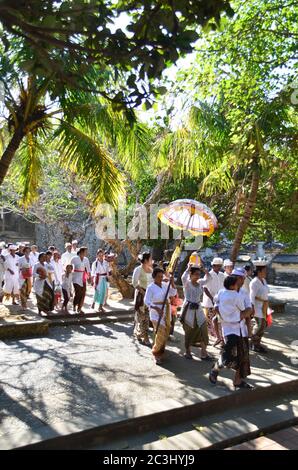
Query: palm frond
x,y
129,140
89,159
28,168
219,179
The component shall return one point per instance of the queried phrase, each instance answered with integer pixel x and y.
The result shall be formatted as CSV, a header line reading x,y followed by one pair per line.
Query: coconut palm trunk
x,y
248,211
10,152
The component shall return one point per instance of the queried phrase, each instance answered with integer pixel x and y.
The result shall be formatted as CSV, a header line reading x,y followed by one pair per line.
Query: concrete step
x,y
215,423
24,329
92,319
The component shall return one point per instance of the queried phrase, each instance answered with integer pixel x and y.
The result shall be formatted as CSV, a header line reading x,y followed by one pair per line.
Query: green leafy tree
x,y
242,131
65,37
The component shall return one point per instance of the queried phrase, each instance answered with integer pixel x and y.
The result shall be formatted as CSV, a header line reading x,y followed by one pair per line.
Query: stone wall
x,y
57,235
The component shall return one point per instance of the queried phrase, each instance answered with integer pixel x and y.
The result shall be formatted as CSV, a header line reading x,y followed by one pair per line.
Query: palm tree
x,y
85,130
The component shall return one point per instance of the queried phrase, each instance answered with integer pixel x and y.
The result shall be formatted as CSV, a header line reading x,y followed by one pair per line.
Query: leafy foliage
x,y
65,37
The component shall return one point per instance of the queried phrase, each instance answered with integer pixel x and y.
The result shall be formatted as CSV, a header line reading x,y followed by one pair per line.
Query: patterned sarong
x,y
160,339
45,303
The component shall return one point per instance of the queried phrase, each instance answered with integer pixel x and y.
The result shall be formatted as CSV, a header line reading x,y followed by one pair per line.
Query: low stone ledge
x,y
24,329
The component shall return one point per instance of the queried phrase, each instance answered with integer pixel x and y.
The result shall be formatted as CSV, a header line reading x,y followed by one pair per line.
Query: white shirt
x,y
66,283
193,293
246,284
258,289
66,258
155,295
34,257
79,267
230,303
58,268
38,286
24,263
140,278
12,262
51,271
214,284
136,281
2,266
39,265
100,268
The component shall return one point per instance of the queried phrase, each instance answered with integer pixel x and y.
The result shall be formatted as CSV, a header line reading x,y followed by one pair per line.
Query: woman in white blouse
x,y
159,309
141,278
193,318
99,275
259,291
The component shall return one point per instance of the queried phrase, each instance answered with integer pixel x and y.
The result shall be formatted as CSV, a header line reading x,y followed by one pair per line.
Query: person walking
x,y
141,278
259,292
81,273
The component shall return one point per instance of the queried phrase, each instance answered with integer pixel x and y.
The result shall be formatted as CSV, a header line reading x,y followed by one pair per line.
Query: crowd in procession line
x,y
52,276
220,304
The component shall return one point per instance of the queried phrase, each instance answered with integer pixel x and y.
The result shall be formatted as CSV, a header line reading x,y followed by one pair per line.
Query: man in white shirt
x,y
212,287
11,284
81,272
67,255
228,267
74,247
34,254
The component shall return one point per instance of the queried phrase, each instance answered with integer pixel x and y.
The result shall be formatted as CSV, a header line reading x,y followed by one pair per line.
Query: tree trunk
x,y
10,151
248,211
123,285
134,247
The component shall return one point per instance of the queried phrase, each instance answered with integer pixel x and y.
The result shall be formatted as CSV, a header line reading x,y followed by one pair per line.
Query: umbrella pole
x,y
174,267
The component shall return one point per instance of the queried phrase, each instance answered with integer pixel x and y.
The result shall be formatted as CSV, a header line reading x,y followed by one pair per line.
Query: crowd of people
x,y
227,303
223,303
55,278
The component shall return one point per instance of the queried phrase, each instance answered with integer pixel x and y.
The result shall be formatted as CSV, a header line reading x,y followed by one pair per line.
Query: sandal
x,y
187,356
213,376
244,385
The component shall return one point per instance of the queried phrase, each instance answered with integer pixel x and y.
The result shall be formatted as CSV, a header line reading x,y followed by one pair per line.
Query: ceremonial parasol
x,y
190,216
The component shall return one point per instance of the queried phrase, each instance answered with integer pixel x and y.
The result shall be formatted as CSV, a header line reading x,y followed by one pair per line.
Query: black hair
x,y
248,267
40,255
145,257
27,248
156,271
100,251
83,248
48,252
230,281
52,247
165,265
194,269
258,269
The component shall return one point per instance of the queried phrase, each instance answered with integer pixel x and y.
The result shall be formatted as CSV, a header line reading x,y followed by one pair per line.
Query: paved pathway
x,y
82,376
